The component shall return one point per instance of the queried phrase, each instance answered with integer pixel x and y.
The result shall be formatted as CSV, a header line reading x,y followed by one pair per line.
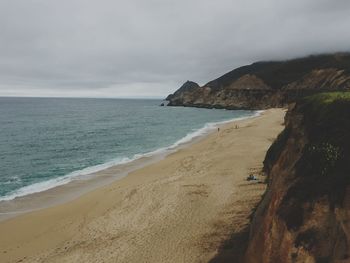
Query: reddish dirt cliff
x,y
304,215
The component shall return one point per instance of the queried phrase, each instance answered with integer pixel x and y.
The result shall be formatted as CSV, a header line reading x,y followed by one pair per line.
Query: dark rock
x,y
187,87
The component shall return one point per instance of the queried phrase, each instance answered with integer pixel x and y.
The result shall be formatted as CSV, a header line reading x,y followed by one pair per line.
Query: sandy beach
x,y
184,208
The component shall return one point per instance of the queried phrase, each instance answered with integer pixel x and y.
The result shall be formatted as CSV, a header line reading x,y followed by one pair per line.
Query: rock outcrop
x,y
268,84
304,215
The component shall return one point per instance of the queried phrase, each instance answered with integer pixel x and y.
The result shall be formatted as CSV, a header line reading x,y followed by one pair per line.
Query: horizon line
x,y
81,97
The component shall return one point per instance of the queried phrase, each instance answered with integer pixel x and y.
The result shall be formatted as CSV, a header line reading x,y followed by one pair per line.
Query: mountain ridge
x,y
267,84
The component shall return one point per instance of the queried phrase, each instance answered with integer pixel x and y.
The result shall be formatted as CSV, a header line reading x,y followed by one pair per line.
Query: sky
x,y
148,48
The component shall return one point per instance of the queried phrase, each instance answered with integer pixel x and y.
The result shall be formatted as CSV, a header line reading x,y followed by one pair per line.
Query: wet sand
x,y
179,209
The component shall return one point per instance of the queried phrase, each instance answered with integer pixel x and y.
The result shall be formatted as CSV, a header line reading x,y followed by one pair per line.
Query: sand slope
x,y
177,210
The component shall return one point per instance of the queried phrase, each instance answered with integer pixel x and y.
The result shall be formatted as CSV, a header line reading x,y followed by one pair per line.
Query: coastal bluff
x,y
269,84
305,213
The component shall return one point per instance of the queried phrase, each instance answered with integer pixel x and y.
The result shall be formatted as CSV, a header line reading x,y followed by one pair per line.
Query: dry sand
x,y
180,209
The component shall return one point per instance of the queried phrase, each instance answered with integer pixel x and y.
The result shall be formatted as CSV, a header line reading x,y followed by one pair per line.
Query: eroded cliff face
x,y
268,84
305,214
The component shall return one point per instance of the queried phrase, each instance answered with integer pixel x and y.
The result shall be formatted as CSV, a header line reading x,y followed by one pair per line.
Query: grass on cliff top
x,y
326,115
324,99
331,107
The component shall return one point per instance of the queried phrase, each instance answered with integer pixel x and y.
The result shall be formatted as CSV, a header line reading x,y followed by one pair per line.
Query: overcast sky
x,y
148,48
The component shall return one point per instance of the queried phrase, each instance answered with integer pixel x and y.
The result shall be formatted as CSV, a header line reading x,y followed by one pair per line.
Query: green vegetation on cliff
x,y
323,101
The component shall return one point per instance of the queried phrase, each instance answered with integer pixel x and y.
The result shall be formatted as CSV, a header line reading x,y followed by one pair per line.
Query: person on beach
x,y
251,178
218,129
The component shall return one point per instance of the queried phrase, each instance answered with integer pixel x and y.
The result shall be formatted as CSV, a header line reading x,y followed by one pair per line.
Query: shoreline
x,y
158,213
78,183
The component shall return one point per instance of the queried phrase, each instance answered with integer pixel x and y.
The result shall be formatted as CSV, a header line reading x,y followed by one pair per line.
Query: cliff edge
x,y
264,85
304,215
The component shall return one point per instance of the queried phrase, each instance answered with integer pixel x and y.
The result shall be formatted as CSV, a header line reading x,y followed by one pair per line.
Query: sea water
x,y
46,142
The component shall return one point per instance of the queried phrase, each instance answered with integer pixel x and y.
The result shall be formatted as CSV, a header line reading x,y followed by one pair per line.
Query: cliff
x,y
304,215
268,84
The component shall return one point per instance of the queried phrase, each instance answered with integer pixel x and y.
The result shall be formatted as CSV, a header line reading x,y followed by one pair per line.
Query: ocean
x,y
46,142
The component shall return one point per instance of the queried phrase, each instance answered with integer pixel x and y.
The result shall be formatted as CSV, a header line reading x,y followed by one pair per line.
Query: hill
x,y
268,84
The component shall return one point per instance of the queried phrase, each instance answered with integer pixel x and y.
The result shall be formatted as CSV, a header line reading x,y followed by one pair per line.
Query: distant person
x,y
251,178
218,129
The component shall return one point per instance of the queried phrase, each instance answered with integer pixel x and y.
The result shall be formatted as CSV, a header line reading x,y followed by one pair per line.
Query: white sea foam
x,y
51,183
82,174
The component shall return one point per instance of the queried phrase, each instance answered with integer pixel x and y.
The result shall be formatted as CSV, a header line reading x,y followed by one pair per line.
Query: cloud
x,y
130,48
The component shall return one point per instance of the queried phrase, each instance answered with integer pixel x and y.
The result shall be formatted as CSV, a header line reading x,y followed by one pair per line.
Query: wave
x,y
82,174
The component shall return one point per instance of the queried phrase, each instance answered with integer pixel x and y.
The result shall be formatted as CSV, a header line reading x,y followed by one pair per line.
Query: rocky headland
x,y
265,85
